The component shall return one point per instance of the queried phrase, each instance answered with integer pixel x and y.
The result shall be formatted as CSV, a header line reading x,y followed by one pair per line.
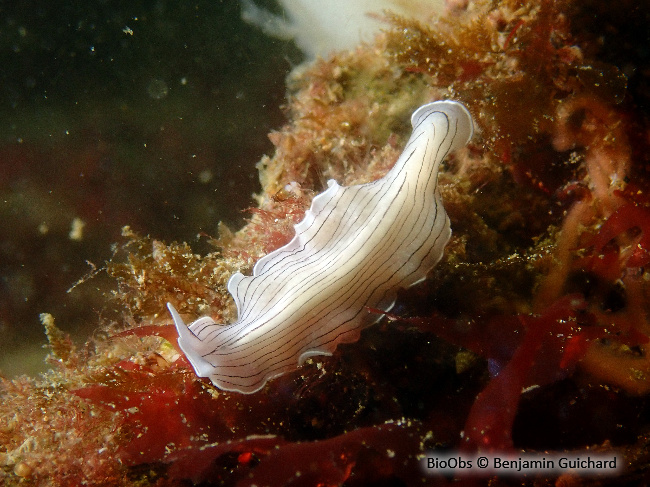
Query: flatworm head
x,y
354,249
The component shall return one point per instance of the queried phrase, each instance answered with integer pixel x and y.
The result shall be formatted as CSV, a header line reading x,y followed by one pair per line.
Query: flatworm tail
x,y
354,249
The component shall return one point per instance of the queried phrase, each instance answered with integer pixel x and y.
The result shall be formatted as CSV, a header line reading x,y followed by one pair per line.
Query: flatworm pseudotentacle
x,y
354,249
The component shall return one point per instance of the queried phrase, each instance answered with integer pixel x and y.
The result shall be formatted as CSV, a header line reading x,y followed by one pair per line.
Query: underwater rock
x,y
542,292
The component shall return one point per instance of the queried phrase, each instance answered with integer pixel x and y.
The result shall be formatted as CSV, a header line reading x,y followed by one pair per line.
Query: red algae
x,y
45,419
541,298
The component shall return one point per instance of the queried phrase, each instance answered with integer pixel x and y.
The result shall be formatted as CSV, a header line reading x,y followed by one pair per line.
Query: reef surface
x,y
530,335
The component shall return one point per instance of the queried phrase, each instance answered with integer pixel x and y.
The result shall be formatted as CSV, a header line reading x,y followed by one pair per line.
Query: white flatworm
x,y
354,249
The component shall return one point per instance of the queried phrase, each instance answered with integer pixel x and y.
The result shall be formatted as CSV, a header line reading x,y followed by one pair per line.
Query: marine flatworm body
x,y
354,249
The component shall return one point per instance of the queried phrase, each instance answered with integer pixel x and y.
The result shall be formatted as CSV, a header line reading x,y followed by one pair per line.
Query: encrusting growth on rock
x,y
543,287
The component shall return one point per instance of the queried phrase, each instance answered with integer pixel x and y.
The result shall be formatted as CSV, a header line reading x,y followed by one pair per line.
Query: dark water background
x,y
148,114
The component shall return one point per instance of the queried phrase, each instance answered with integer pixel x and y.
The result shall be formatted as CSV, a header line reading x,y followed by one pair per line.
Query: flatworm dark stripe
x,y
354,249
